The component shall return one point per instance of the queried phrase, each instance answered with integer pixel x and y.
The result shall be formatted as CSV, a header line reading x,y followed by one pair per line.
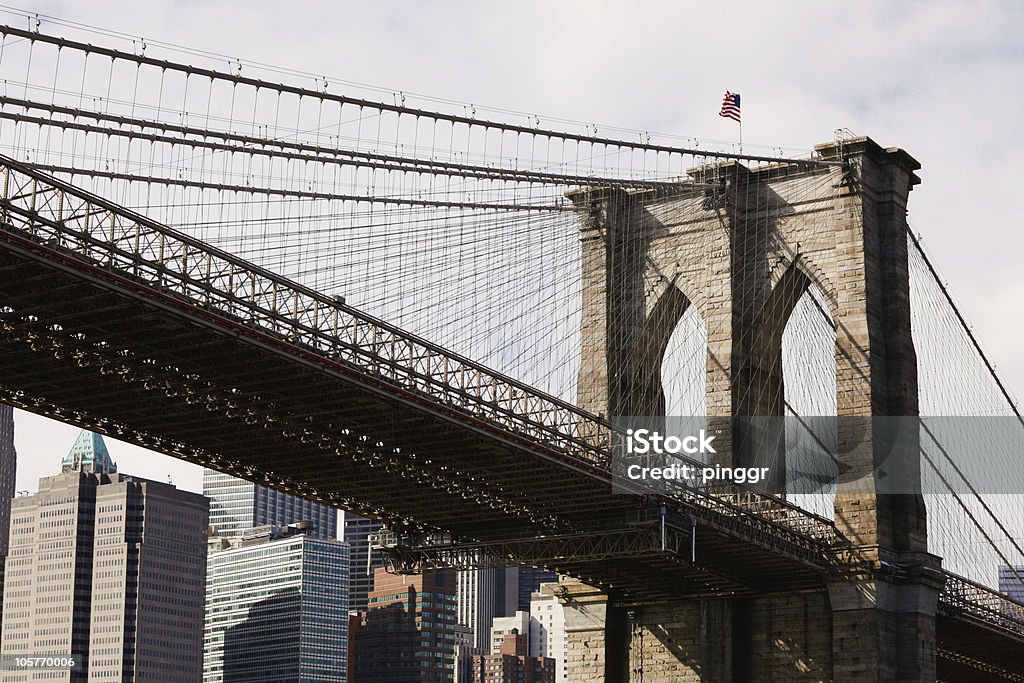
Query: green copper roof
x,y
89,454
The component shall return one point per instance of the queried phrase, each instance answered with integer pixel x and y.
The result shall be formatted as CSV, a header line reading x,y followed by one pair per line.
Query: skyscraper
x,y
547,629
277,609
8,473
109,568
408,632
482,595
237,505
362,562
530,579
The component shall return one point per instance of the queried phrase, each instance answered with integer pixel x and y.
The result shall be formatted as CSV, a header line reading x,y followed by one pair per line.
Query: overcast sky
x,y
944,80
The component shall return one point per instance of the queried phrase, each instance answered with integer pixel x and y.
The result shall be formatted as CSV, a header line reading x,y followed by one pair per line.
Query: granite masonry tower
x,y
741,246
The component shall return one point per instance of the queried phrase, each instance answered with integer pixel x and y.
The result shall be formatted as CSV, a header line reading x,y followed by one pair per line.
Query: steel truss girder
x,y
108,237
611,559
979,665
961,597
113,238
407,556
171,384
77,233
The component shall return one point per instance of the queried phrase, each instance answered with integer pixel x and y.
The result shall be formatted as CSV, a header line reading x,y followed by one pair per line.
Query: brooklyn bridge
x,y
441,321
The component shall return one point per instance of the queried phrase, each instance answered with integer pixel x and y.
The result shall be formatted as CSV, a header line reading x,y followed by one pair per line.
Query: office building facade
x,y
408,630
502,626
109,569
543,626
529,580
547,636
482,595
362,562
8,476
512,663
237,505
276,608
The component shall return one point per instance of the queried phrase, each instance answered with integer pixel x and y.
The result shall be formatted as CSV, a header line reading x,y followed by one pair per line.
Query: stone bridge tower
x,y
741,247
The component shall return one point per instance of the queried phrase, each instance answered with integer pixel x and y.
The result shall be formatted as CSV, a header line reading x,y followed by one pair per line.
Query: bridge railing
x,y
112,238
962,597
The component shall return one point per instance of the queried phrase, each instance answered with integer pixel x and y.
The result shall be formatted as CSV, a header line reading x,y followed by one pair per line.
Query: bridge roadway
x,y
134,330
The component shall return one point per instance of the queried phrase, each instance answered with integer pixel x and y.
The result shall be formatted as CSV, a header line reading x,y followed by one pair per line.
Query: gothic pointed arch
x,y
648,397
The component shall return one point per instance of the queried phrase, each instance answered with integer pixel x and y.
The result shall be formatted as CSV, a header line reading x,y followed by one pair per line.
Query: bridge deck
x,y
128,328
134,330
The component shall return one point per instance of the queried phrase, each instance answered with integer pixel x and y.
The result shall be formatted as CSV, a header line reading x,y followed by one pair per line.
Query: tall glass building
x,y
237,505
530,579
277,610
362,562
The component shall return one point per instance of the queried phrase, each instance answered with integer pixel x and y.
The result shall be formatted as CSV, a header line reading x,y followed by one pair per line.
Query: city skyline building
x,y
544,627
237,505
464,651
362,562
482,595
530,579
408,630
502,626
8,482
1011,581
548,637
276,608
513,663
107,568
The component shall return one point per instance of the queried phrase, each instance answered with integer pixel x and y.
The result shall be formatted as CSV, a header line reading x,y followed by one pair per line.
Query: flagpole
x,y
731,110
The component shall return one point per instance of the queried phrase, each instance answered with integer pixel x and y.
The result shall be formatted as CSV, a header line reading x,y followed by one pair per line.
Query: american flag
x,y
730,106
